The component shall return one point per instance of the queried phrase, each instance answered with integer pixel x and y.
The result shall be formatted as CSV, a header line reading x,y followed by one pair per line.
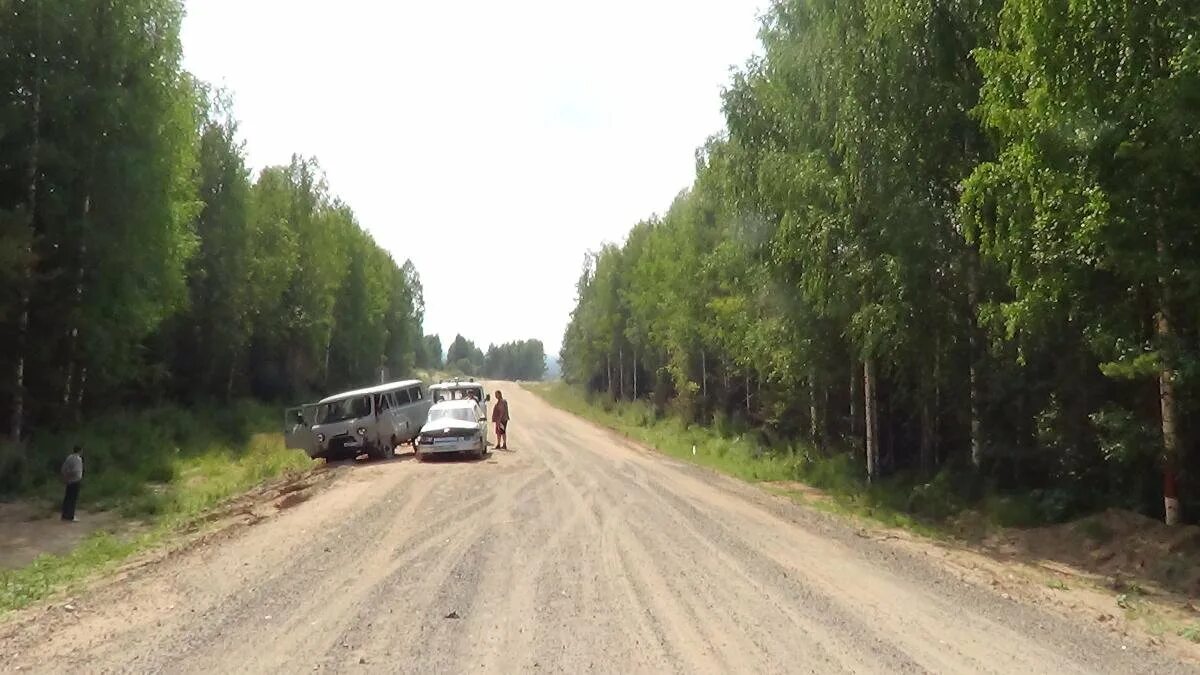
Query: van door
x,y
381,429
297,428
425,403
404,422
397,419
420,408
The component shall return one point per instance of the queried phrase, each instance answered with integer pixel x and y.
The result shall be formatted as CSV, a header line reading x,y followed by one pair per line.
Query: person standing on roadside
x,y
72,475
500,417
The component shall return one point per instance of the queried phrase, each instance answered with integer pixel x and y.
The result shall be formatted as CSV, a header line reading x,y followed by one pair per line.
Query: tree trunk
x,y
635,375
812,405
1168,403
608,382
824,416
747,393
973,345
328,349
621,373
872,420
73,333
77,406
854,401
17,421
725,382
703,377
926,438
937,400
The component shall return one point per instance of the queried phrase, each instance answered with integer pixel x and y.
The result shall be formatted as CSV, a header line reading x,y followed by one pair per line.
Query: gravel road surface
x,y
576,551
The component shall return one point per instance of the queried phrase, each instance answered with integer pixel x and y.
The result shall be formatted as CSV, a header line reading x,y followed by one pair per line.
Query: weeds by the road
x,y
743,456
934,508
162,467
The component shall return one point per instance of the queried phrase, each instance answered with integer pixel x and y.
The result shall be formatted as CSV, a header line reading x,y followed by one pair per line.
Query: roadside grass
x,y
935,508
892,502
159,468
950,504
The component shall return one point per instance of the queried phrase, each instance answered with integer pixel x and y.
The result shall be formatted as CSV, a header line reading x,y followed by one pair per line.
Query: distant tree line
x,y
140,261
464,357
522,360
945,238
429,356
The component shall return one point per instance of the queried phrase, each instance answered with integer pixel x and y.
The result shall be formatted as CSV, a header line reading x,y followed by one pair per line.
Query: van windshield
x,y
346,409
458,394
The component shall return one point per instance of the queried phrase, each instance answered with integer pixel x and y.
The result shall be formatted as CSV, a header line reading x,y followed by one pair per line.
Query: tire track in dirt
x,y
576,552
707,588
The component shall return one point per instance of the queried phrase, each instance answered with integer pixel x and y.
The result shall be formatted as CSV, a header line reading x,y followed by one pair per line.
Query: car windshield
x,y
346,409
462,414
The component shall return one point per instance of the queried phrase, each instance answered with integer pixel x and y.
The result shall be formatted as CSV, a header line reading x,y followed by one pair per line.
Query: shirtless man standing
x,y
500,417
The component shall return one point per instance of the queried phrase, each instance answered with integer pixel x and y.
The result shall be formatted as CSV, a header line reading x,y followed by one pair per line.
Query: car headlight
x,y
362,431
320,438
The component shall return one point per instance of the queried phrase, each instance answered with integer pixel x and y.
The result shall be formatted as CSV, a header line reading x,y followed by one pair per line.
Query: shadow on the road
x,y
456,458
438,458
364,460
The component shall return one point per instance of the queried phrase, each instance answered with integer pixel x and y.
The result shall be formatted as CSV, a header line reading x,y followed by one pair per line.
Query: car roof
x,y
378,389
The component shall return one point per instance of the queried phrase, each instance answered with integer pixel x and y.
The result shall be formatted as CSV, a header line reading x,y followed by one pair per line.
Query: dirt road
x,y
574,552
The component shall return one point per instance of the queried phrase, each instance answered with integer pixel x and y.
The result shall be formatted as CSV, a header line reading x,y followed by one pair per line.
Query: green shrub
x,y
162,465
936,499
1096,530
762,455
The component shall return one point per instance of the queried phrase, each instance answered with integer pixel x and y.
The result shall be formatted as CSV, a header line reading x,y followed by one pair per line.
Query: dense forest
x,y
956,241
521,360
141,262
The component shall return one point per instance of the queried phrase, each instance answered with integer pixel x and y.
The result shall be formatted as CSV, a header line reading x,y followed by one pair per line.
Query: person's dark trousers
x,y
70,499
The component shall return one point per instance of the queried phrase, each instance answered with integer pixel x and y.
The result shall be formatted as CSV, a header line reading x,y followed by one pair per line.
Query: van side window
x,y
382,403
416,394
402,397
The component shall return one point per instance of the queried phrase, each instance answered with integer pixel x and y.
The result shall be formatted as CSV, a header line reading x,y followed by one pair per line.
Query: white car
x,y
453,426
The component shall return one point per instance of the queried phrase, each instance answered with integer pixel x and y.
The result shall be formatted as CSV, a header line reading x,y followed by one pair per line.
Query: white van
x,y
456,390
372,421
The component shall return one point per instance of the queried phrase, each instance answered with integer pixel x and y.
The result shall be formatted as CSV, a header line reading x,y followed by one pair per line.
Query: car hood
x,y
444,423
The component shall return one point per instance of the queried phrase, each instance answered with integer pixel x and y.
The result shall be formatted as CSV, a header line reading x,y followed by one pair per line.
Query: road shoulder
x,y
1128,609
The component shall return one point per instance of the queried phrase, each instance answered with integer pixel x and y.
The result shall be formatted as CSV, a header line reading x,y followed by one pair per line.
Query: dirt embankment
x,y
1118,545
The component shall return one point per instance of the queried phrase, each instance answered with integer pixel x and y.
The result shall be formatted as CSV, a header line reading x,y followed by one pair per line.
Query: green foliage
x,y
430,355
1190,632
139,260
992,203
47,574
163,465
1096,530
463,356
1058,585
522,360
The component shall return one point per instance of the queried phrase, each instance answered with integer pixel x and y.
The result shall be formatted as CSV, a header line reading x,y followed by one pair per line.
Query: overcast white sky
x,y
505,137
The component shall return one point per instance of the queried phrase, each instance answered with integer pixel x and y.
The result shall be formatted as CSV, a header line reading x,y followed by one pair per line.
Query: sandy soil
x,y
575,551
29,530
